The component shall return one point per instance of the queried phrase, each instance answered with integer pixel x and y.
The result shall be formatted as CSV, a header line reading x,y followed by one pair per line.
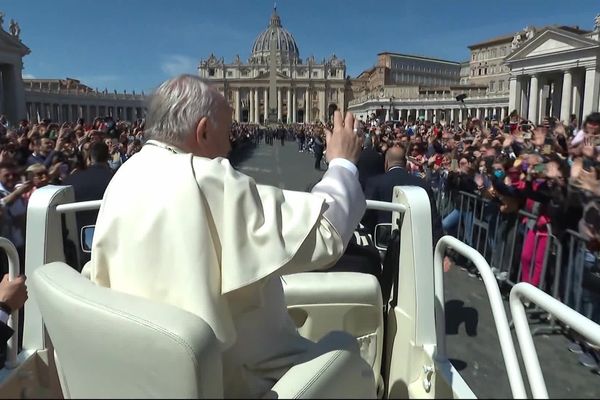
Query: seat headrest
x,y
112,344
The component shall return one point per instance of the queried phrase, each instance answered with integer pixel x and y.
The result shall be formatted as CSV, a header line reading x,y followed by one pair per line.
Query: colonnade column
x,y
591,91
294,103
251,110
236,96
533,99
279,105
256,107
289,106
514,97
567,93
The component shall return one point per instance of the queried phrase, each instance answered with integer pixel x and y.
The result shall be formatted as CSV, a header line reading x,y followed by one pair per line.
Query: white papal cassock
x,y
195,233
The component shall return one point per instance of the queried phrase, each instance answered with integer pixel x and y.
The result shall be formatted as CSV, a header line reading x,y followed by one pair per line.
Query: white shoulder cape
x,y
187,230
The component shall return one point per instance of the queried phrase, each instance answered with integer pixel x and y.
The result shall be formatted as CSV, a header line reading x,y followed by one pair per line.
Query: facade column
x,y
567,93
534,94
294,104
307,106
591,91
238,111
514,96
279,105
503,113
576,96
266,107
15,91
289,106
256,107
323,106
251,110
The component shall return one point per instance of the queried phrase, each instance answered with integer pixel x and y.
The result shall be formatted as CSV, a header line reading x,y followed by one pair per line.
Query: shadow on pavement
x,y
458,364
456,314
241,152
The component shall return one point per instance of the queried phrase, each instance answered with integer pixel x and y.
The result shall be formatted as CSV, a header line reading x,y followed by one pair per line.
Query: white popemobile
x,y
85,341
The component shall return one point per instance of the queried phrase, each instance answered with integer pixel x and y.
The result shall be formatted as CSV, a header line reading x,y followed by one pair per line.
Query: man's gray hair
x,y
176,107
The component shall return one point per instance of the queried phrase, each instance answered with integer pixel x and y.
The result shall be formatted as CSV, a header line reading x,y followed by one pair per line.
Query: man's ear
x,y
201,130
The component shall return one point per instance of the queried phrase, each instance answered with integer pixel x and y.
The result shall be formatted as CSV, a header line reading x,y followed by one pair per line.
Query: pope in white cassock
x,y
178,224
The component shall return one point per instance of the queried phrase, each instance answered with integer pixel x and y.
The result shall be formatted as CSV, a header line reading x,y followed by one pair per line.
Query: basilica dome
x,y
286,44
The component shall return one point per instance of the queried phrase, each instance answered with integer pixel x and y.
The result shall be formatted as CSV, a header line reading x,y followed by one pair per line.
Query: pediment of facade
x,y
552,41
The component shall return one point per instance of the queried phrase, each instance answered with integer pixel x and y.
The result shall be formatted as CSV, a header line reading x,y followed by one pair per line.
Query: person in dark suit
x,y
89,184
319,147
381,188
370,163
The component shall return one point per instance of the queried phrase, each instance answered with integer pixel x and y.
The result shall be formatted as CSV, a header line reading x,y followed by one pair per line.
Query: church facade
x,y
307,91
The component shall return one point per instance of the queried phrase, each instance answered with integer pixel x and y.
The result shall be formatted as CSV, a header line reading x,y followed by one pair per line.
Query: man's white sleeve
x,y
344,197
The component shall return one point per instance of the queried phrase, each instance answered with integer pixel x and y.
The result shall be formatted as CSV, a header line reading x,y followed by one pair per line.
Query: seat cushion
x,y
334,369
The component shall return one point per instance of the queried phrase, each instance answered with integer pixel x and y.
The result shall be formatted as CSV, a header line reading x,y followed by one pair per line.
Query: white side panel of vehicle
x,y
44,244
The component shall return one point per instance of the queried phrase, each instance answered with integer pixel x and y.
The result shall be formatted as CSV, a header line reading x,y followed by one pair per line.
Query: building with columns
x,y
551,71
57,99
307,91
12,93
68,100
556,73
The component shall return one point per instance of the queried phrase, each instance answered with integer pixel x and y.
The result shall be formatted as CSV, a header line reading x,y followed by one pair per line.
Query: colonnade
x,y
66,112
558,94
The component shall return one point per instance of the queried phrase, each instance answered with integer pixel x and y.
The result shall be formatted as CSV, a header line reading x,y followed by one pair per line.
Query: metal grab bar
x,y
385,206
81,206
590,330
13,320
507,346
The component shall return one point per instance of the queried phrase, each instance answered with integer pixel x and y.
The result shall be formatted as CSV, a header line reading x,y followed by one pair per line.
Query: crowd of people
x,y
82,154
549,169
524,184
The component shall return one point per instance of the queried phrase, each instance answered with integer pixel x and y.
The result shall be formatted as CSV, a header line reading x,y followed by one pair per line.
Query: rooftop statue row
x,y
214,61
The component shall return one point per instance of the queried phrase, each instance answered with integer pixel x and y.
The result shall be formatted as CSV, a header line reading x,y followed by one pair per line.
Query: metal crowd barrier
x,y
551,265
580,260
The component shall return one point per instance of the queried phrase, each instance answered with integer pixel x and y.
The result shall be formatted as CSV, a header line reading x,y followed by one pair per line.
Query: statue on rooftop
x,y
597,23
517,40
14,28
1,19
529,32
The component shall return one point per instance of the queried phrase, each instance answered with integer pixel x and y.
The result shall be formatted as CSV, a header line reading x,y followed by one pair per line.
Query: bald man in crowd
x,y
381,188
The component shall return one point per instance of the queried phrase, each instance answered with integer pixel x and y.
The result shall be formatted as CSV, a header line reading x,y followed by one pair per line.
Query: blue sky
x,y
136,44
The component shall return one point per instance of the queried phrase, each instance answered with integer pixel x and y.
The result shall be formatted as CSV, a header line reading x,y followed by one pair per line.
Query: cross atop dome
x,y
275,20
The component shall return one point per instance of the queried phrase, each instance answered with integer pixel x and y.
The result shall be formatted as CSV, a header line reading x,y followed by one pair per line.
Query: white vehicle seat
x,y
111,344
321,302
